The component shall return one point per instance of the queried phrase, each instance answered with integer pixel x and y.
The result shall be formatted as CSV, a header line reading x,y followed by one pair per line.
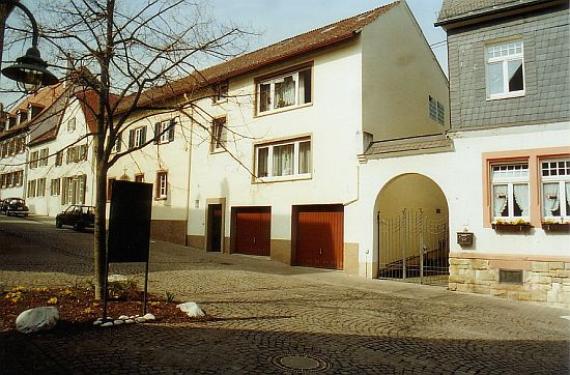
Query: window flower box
x,y
516,226
556,227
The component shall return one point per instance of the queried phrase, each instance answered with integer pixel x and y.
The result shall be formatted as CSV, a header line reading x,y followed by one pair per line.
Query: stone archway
x,y
412,230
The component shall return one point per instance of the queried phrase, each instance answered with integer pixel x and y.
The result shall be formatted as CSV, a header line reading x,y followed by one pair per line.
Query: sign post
x,y
129,229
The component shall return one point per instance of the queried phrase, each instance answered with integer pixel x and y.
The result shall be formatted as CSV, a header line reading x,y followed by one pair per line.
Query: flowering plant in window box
x,y
551,225
517,225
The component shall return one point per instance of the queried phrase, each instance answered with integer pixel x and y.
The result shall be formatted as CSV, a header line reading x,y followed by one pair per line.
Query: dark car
x,y
77,216
14,206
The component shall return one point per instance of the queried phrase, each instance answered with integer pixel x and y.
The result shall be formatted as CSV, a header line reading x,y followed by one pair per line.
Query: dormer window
x,y
30,113
505,70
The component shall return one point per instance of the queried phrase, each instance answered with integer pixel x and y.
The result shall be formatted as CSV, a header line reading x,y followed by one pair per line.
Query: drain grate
x,y
301,363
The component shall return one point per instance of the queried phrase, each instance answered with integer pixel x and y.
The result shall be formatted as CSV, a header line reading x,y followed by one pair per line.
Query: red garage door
x,y
318,235
252,230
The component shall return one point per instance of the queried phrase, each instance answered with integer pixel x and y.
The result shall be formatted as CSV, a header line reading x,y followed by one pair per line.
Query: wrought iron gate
x,y
413,247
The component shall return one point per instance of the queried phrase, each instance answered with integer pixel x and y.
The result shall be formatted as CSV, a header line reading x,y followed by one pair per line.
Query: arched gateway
x,y
412,231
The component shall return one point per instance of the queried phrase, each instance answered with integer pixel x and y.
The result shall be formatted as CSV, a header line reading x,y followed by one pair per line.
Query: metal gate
x,y
413,247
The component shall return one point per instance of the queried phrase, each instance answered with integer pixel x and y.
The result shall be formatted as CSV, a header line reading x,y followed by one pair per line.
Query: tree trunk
x,y
100,235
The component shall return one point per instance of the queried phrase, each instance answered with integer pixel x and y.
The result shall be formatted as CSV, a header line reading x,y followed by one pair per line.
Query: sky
x,y
274,20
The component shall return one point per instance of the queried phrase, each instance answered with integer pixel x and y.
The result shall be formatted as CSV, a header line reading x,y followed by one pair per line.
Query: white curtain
x,y
521,198
499,199
304,157
567,198
285,92
550,198
283,160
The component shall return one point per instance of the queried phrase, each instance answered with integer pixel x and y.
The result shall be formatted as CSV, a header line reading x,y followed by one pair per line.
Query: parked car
x,y
77,216
14,206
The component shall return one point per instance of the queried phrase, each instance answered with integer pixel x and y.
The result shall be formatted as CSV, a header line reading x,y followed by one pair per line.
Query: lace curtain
x,y
521,198
285,93
499,199
550,198
283,160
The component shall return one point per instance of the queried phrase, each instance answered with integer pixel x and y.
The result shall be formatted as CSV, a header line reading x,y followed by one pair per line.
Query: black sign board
x,y
129,222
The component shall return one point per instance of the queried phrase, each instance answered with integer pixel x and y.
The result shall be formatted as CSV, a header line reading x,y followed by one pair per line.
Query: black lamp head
x,y
31,70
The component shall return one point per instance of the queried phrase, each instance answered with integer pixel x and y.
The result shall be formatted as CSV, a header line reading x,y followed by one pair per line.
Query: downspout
x,y
190,148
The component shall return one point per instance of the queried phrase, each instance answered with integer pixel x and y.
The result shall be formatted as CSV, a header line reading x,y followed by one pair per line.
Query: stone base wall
x,y
169,230
544,281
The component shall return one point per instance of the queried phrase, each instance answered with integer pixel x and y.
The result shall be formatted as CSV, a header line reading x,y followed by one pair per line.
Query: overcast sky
x,y
274,20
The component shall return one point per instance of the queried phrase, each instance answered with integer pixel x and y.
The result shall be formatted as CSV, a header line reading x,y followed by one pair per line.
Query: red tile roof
x,y
315,39
89,101
44,98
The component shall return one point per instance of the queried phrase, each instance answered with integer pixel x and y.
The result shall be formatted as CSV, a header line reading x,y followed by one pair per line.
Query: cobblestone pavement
x,y
274,319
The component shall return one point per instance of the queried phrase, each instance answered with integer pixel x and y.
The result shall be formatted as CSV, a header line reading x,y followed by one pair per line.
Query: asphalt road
x,y
273,319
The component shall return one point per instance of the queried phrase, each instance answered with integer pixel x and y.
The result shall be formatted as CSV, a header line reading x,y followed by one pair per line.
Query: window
x,y
73,190
41,187
34,159
284,160
164,131
221,92
55,186
44,154
118,141
510,191
31,188
139,177
76,154
555,189
59,158
218,142
161,185
505,70
137,137
71,124
436,110
110,188
288,90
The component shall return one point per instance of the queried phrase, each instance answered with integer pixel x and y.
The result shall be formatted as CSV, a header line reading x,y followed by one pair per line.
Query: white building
x,y
60,167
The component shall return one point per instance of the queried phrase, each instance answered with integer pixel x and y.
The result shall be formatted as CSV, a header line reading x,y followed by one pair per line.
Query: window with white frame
x,y
161,185
44,154
284,160
41,187
555,189
510,191
55,186
164,131
505,69
118,142
284,91
137,137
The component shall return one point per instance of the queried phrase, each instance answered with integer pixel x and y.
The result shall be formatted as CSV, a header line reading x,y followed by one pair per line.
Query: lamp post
x,y
30,69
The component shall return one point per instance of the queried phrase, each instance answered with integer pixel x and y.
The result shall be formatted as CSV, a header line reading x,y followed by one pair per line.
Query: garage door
x,y
318,235
252,230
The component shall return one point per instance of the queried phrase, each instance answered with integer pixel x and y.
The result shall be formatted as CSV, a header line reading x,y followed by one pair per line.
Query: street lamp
x,y
30,70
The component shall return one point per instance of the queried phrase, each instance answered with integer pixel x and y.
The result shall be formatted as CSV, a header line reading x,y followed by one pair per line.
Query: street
x,y
272,318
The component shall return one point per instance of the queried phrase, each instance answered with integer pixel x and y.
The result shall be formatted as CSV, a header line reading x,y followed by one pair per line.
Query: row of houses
x,y
348,148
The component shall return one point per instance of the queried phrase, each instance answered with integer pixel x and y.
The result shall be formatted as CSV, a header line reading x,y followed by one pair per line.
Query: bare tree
x,y
128,58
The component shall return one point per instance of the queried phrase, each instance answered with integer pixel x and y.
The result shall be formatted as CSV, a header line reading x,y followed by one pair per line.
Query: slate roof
x,y
300,44
457,9
409,146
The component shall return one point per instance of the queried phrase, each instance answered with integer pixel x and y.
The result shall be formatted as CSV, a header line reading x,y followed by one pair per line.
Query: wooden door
x,y
252,230
318,236
214,227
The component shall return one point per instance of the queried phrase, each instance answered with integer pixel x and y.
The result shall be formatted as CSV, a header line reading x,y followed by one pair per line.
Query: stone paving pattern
x,y
266,311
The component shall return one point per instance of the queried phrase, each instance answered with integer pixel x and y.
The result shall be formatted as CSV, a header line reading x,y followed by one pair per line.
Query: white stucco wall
x,y
51,205
459,175
172,157
400,72
333,122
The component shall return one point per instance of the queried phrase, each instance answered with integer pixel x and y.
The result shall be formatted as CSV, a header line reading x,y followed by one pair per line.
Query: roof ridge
x,y
382,7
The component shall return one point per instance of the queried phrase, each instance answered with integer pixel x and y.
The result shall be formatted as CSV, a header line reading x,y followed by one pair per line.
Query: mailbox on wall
x,y
465,238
